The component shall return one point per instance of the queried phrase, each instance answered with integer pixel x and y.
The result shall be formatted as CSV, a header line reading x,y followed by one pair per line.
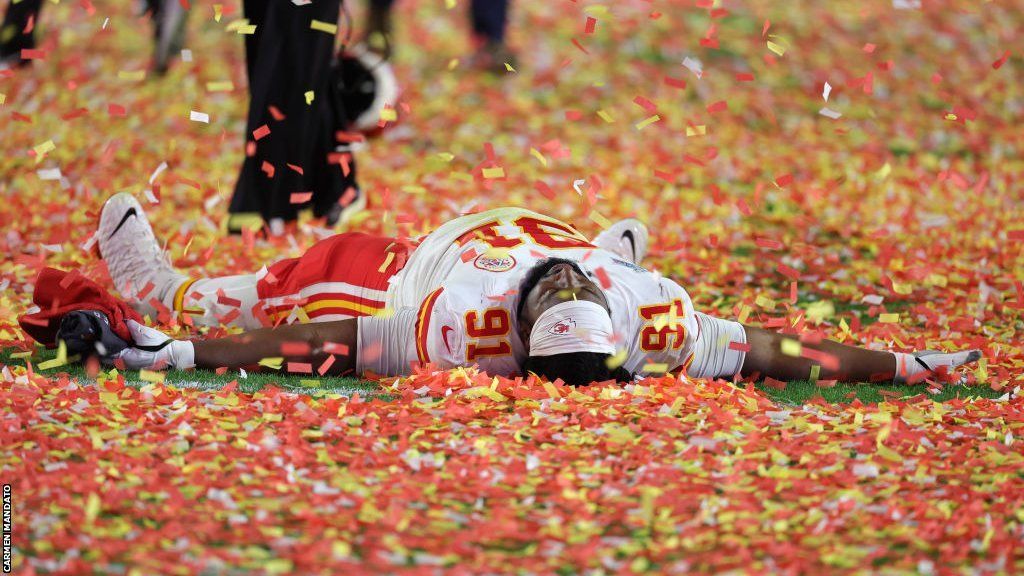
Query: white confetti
x,y
694,66
865,470
49,174
156,173
829,113
826,91
186,55
873,299
199,117
88,244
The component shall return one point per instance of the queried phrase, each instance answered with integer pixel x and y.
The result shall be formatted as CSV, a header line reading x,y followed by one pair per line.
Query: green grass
x,y
209,380
795,393
800,391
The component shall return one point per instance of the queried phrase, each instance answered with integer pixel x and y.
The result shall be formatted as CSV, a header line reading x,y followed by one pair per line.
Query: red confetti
x,y
260,132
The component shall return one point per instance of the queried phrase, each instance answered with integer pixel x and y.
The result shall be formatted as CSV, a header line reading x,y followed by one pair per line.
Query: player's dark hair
x,y
534,274
576,368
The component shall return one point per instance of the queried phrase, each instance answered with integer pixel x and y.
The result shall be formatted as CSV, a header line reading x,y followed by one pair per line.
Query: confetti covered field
x,y
852,169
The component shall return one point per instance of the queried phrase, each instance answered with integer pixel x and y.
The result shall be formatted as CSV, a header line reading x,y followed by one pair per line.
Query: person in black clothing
x,y
13,35
291,148
168,31
489,19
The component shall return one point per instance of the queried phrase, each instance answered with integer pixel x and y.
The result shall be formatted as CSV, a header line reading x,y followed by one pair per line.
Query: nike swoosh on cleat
x,y
628,235
131,212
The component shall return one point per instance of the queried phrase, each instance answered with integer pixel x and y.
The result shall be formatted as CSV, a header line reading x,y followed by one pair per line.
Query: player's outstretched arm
x,y
306,343
770,356
302,343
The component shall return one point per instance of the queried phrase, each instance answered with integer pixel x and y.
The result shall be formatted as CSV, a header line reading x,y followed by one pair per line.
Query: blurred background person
x,y
489,21
21,19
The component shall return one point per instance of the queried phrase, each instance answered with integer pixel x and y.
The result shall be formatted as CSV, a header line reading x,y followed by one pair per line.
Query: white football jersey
x,y
456,298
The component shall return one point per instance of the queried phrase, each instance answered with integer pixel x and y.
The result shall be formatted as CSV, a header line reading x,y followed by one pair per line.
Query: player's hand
x,y
151,349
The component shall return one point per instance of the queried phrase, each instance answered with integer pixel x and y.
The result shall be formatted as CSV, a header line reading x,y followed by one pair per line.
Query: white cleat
x,y
626,238
133,255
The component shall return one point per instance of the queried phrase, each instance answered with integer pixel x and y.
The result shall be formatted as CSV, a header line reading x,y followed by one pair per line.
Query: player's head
x,y
565,318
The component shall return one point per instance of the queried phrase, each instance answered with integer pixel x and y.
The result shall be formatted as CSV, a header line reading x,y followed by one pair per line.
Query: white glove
x,y
151,349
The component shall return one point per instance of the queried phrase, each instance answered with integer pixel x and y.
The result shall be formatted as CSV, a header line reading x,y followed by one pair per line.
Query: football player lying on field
x,y
509,290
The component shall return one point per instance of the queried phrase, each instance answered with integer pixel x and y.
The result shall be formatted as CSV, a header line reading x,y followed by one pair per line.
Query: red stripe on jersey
x,y
423,325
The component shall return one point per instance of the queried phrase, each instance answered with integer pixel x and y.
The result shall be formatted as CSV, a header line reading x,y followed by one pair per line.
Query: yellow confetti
x,y
274,363
309,96
700,130
479,391
92,507
778,49
387,262
323,26
132,75
889,318
341,549
44,148
388,114
647,122
617,359
218,12
765,302
60,360
605,116
744,313
152,376
495,172
551,390
277,566
222,86
540,157
247,29
791,347
820,310
655,368
600,220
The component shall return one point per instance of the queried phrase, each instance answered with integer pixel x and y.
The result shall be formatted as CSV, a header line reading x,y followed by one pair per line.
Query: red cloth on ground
x,y
58,292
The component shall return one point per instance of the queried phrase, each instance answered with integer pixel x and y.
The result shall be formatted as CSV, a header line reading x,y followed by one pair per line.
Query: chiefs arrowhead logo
x,y
495,263
563,327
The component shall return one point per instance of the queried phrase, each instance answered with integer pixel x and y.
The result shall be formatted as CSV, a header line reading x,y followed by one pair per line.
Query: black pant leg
x,y
489,18
290,59
12,37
